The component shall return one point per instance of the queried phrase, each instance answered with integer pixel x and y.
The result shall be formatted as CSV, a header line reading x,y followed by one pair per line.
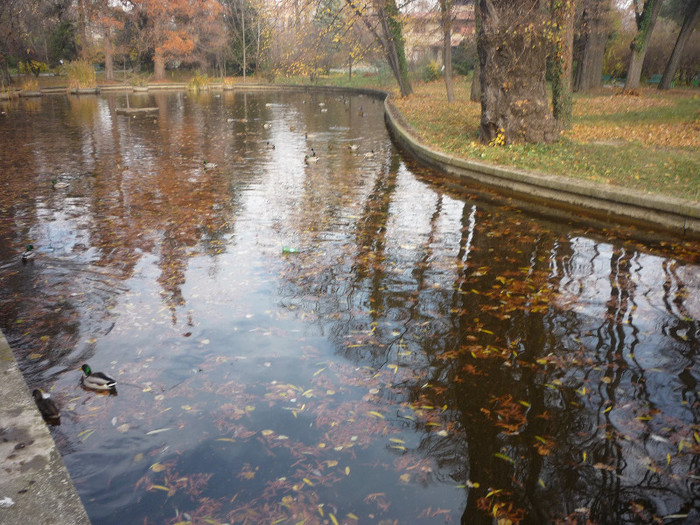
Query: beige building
x,y
423,34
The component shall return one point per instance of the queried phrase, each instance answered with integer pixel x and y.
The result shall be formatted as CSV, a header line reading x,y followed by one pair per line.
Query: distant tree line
x,y
520,45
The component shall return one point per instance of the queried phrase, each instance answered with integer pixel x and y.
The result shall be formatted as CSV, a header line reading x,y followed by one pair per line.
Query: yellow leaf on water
x,y
376,414
347,471
157,467
186,407
405,478
333,519
160,487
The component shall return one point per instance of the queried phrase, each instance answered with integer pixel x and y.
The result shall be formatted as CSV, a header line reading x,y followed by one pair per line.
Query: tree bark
x,y
446,21
158,65
391,27
563,13
689,23
512,46
646,19
109,55
589,74
475,91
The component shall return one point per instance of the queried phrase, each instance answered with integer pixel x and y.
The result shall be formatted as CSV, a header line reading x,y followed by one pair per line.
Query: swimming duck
x,y
29,254
267,125
369,154
353,147
58,185
97,380
311,160
208,165
48,408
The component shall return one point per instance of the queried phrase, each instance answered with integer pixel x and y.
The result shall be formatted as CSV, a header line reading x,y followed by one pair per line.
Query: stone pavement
x,y
35,487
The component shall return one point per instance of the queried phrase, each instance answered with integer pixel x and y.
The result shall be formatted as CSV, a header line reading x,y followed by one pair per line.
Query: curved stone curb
x,y
35,486
682,217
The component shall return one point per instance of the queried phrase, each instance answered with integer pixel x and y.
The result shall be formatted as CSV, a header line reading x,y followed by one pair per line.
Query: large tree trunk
x,y
563,13
158,66
691,19
109,55
646,19
446,21
512,45
589,74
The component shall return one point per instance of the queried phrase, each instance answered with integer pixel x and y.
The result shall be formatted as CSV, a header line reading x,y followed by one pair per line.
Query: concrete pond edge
x,y
35,486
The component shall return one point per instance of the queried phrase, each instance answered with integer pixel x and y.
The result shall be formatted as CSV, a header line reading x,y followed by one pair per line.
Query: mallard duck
x,y
271,146
29,254
267,125
369,154
353,147
311,160
208,165
48,408
97,380
58,185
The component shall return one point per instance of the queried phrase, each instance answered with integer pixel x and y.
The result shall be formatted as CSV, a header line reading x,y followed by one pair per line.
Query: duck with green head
x,y
28,255
97,380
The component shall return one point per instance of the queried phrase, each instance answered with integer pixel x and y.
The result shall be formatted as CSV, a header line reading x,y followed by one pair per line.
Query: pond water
x,y
347,341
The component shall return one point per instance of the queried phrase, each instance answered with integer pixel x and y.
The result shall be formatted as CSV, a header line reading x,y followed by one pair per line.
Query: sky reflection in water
x,y
427,356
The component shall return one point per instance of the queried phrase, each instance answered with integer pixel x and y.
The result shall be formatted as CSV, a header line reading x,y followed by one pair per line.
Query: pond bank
x,y
553,195
35,486
563,196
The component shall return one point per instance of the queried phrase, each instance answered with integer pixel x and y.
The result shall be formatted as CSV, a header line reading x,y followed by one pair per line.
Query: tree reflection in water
x,y
427,355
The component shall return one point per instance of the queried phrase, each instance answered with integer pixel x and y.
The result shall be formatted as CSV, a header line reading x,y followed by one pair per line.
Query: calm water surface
x,y
427,355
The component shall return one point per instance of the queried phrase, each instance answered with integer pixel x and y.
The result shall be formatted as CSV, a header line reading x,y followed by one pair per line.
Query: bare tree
x,y
592,40
690,20
645,17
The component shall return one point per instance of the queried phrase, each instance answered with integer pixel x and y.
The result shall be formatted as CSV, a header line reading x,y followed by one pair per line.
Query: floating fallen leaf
x,y
157,467
158,431
504,457
160,487
376,414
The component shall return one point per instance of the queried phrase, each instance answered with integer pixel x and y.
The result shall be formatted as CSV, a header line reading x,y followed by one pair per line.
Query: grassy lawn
x,y
649,142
